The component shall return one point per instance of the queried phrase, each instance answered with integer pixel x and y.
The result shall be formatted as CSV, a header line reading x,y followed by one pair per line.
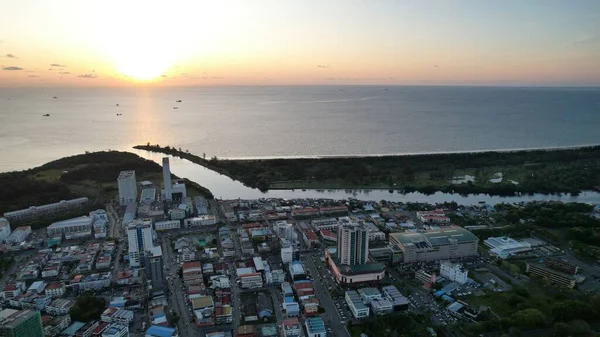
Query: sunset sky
x,y
222,42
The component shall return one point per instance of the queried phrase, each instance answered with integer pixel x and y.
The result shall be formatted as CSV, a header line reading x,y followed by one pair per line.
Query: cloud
x,y
12,68
87,76
32,76
436,66
322,66
58,65
64,72
50,69
11,56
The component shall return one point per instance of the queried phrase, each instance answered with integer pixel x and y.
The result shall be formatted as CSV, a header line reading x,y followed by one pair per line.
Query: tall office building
x,y
127,187
140,239
21,323
167,179
154,267
353,244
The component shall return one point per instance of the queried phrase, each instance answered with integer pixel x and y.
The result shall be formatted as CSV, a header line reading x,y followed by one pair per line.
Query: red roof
x,y
54,285
100,328
310,235
10,287
190,265
303,285
290,321
327,232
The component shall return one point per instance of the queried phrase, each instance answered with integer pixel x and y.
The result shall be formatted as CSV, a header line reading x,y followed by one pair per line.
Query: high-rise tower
x,y
353,244
167,179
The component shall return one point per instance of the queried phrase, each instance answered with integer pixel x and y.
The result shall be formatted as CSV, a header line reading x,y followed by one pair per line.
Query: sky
x,y
299,42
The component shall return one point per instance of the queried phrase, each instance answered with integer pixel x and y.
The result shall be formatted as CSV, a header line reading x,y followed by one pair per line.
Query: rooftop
x,y
437,237
160,331
315,325
126,174
79,221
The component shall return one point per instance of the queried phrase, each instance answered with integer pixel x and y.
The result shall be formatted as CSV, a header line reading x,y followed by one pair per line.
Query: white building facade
x,y
140,239
454,272
127,188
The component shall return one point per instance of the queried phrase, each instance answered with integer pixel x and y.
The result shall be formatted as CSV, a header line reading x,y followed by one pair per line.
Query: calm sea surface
x,y
241,122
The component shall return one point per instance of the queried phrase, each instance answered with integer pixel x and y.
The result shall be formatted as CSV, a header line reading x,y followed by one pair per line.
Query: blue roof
x,y
315,325
160,331
448,298
72,329
288,299
439,293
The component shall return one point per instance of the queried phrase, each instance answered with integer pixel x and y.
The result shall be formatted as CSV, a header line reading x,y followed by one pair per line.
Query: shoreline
x,y
409,154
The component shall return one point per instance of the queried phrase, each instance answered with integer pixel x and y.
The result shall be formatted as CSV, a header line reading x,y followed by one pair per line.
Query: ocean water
x,y
290,121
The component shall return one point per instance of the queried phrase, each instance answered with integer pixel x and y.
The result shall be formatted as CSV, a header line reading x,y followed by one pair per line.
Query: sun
x,y
140,43
142,65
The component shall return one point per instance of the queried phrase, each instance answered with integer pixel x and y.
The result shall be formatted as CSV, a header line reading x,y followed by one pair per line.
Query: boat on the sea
x,y
54,97
119,114
117,104
178,101
46,115
175,108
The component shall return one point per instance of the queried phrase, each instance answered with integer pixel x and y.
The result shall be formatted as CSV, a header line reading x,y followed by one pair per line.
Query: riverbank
x,y
93,175
543,171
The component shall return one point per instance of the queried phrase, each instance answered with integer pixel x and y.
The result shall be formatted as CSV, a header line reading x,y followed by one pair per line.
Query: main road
x,y
176,295
331,314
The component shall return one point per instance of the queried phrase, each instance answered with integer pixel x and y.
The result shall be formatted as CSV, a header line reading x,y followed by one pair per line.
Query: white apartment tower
x,y
353,244
127,188
167,179
140,239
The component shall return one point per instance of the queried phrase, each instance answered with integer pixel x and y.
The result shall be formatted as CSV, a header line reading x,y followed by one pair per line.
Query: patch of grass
x,y
506,303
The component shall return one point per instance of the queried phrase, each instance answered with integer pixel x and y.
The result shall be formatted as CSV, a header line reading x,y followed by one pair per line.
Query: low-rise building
x,y
160,331
291,327
19,235
454,272
116,330
315,327
59,306
55,289
356,305
399,301
119,316
381,306
555,276
167,225
249,278
504,246
201,220
369,294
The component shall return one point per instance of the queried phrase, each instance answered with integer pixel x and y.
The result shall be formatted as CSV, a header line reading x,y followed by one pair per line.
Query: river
x,y
224,187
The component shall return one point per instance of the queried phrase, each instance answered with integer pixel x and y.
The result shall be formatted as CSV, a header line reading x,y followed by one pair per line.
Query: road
x,y
116,231
331,314
177,300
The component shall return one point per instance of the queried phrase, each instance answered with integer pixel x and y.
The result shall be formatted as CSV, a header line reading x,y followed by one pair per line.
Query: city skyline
x,y
234,42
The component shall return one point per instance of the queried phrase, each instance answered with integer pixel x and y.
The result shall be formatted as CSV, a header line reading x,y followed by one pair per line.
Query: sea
x,y
292,121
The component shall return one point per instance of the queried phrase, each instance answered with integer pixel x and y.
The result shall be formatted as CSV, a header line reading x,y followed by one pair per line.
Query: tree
x,y
174,318
87,308
579,327
529,318
561,329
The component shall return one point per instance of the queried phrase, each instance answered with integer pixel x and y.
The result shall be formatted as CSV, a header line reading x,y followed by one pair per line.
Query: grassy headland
x,y
93,175
531,171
